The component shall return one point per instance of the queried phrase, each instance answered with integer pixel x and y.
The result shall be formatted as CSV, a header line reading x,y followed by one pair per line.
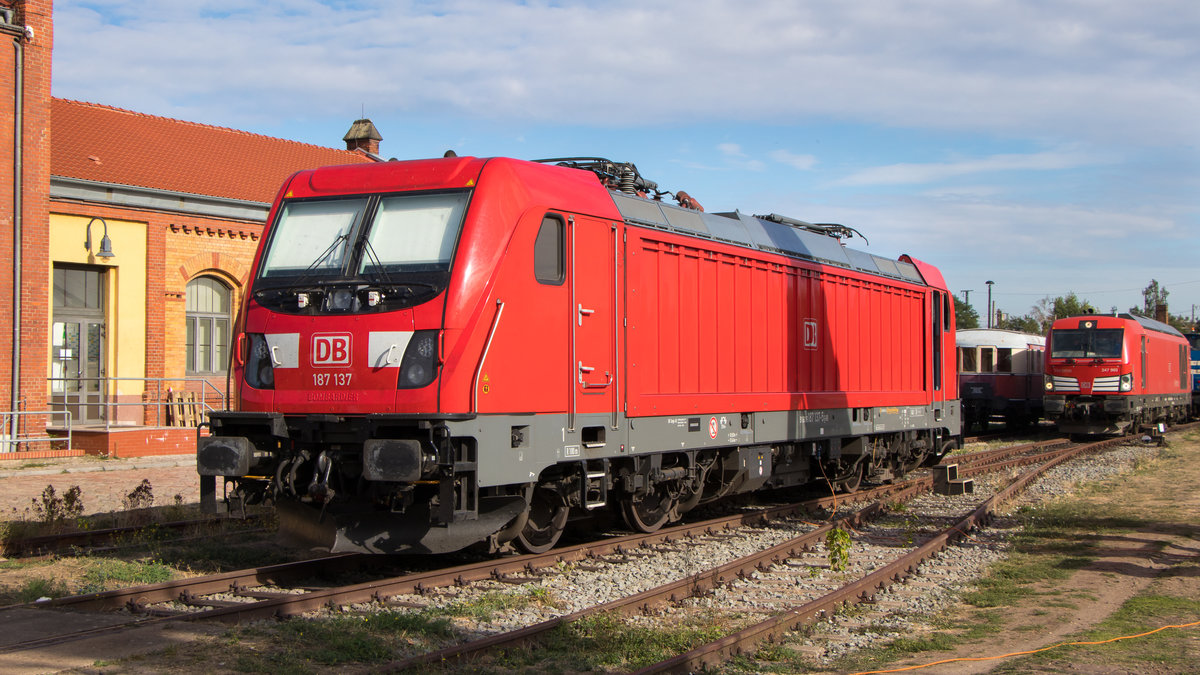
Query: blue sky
x,y
1047,145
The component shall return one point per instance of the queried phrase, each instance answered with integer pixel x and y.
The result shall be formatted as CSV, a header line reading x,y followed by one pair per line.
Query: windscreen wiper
x,y
308,271
379,274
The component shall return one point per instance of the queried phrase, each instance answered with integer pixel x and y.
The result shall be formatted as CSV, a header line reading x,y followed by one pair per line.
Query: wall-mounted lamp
x,y
105,243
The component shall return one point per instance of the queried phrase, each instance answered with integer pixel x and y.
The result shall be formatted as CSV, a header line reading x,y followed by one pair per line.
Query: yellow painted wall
x,y
125,292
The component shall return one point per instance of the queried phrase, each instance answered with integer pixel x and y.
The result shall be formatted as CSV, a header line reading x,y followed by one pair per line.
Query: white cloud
x,y
801,162
911,173
1101,86
1029,250
1116,70
732,150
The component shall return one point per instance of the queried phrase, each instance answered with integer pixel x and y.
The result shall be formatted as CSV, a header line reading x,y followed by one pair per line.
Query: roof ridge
x,y
200,125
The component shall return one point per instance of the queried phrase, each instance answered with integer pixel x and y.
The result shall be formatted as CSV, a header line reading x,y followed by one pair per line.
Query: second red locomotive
x,y
1115,374
439,353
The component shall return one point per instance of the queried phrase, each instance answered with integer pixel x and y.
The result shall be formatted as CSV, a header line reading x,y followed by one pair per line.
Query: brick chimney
x,y
1160,313
363,136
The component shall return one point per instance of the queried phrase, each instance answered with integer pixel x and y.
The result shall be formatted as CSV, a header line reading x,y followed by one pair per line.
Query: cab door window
x,y
549,265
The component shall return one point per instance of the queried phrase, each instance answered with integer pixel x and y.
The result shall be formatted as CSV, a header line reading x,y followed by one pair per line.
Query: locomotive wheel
x,y
853,482
649,512
548,513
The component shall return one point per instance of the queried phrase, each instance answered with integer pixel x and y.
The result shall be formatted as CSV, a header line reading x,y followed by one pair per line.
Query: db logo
x,y
810,334
331,349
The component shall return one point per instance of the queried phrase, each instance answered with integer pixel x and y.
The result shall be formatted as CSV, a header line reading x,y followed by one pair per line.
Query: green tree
x,y
1183,324
1045,311
1023,324
965,315
1152,296
1070,305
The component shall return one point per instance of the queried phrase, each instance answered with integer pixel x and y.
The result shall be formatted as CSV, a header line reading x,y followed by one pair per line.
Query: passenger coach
x,y
1000,377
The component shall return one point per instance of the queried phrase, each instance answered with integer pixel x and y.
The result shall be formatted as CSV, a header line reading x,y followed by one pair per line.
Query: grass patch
x,y
975,627
1138,615
103,574
487,605
36,589
598,643
311,646
1057,539
605,640
866,659
770,658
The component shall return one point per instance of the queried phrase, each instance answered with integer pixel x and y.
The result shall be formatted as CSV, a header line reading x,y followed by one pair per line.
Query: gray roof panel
x,y
759,233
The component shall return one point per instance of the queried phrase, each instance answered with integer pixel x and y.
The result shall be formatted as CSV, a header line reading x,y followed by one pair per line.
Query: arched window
x,y
208,302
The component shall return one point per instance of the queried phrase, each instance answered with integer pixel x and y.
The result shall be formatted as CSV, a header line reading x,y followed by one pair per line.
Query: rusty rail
x,y
774,628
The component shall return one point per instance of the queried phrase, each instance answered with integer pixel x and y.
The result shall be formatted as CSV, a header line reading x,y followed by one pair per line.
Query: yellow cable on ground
x,y
1031,651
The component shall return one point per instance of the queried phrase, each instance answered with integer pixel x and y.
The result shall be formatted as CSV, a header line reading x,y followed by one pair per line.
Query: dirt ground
x,y
1160,555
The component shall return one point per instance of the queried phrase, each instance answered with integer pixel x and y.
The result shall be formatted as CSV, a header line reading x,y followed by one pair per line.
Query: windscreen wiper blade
x,y
308,271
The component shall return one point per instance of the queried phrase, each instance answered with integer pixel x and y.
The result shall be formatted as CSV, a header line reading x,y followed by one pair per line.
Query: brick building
x,y
131,238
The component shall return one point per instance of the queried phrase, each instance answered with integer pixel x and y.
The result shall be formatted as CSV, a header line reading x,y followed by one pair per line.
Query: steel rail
x,y
214,583
701,583
776,627
692,586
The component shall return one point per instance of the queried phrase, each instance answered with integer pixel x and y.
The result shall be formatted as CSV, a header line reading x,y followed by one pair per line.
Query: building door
x,y
77,344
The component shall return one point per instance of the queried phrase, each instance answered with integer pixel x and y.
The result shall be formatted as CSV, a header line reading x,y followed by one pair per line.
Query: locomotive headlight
x,y
260,371
1127,382
1048,382
340,300
418,368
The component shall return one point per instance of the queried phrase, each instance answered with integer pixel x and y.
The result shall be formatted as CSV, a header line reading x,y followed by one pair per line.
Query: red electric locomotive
x,y
439,353
1115,374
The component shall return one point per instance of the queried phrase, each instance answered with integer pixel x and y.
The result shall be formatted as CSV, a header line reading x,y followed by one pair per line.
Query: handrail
x,y
9,420
152,387
487,345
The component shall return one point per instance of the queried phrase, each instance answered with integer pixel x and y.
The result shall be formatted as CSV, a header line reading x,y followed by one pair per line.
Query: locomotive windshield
x,y
1101,343
394,251
306,228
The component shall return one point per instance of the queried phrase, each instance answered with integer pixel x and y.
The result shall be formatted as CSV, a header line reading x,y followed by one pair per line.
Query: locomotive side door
x,y
595,313
939,316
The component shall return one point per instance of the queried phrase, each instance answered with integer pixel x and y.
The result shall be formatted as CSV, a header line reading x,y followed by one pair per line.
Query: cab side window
x,y
548,254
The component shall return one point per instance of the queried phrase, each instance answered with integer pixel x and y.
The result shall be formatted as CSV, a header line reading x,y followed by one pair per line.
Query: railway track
x,y
271,592
111,537
796,553
865,588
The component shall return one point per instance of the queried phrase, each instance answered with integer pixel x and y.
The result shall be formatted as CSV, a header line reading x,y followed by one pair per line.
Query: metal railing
x,y
12,436
155,394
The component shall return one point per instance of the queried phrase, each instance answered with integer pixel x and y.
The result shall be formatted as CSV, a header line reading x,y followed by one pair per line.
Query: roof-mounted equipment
x,y
835,230
623,177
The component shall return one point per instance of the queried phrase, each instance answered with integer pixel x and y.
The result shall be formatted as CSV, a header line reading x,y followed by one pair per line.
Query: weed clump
x,y
837,543
53,510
